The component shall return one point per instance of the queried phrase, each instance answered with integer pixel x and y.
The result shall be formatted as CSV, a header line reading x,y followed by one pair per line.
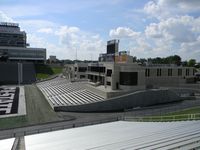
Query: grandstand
x,y
120,135
64,95
60,92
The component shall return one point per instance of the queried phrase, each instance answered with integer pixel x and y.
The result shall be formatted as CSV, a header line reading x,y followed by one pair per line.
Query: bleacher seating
x,y
61,92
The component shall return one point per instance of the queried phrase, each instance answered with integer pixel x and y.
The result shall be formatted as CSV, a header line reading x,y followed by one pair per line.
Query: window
x,y
194,72
147,72
108,83
158,72
169,72
75,69
89,76
128,78
187,72
82,76
109,72
179,72
97,69
82,69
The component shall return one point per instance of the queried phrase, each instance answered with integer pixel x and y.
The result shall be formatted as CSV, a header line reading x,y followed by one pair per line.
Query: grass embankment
x,y
193,110
45,71
187,114
38,110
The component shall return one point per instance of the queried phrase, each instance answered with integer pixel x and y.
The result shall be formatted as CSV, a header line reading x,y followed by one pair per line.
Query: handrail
x,y
182,117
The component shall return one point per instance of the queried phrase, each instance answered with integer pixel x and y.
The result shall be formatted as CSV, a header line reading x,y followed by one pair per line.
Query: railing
x,y
51,126
183,117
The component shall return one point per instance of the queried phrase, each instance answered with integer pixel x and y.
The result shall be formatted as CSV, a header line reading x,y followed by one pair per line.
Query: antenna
x,y
91,57
76,54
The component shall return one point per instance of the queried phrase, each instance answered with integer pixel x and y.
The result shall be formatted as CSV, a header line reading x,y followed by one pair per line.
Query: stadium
x,y
114,91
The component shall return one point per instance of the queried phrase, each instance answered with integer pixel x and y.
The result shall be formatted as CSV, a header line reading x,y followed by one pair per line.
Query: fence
x,y
183,117
162,110
47,127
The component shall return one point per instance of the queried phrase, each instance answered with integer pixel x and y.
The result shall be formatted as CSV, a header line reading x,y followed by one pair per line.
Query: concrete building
x,y
117,75
52,59
76,71
168,75
13,45
116,70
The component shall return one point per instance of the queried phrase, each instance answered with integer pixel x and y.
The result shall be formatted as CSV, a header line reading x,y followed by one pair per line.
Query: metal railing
x,y
51,126
182,117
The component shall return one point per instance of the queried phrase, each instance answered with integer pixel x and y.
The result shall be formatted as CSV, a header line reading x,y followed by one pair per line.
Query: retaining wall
x,y
128,101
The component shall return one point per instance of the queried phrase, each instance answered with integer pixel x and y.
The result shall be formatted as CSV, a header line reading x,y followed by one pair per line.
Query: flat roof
x,y
119,135
9,24
21,48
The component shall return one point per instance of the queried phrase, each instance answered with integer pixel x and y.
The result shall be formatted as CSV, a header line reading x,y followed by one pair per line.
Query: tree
x,y
184,63
176,60
173,60
191,62
134,59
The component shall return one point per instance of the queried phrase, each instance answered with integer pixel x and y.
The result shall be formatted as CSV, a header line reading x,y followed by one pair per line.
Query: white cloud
x,y
179,29
45,30
175,35
162,9
73,38
4,17
183,5
191,50
70,40
123,32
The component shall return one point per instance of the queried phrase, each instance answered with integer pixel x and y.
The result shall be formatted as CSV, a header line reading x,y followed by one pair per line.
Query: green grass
x,y
193,110
11,122
45,71
42,76
38,111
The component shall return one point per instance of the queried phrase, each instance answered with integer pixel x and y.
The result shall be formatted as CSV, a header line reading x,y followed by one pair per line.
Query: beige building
x,y
133,76
116,70
76,71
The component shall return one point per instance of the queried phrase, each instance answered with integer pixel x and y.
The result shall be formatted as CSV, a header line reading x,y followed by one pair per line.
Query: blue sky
x,y
145,28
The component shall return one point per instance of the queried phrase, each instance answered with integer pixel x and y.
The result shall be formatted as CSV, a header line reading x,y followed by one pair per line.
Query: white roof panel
x,y
117,135
6,144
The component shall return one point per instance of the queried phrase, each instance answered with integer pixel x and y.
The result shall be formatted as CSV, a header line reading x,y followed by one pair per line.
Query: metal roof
x,y
6,144
120,135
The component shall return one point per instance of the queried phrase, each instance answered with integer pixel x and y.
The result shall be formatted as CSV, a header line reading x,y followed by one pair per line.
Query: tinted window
x,y
128,78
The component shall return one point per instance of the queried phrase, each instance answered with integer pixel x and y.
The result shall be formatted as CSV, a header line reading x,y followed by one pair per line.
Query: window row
x,y
170,72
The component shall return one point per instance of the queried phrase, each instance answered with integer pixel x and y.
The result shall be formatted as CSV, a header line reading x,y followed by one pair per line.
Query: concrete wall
x,y
29,75
9,73
164,81
136,99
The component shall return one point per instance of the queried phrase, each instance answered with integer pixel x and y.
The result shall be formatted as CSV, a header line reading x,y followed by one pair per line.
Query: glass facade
x,y
13,40
128,78
29,54
10,35
13,45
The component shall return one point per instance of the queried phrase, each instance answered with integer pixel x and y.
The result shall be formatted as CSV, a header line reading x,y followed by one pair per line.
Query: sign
x,y
9,97
9,24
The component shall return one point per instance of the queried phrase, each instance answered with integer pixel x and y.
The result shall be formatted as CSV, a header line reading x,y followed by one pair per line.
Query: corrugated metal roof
x,y
120,135
6,144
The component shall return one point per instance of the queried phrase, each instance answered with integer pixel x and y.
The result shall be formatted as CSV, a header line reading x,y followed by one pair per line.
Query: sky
x,y
80,28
